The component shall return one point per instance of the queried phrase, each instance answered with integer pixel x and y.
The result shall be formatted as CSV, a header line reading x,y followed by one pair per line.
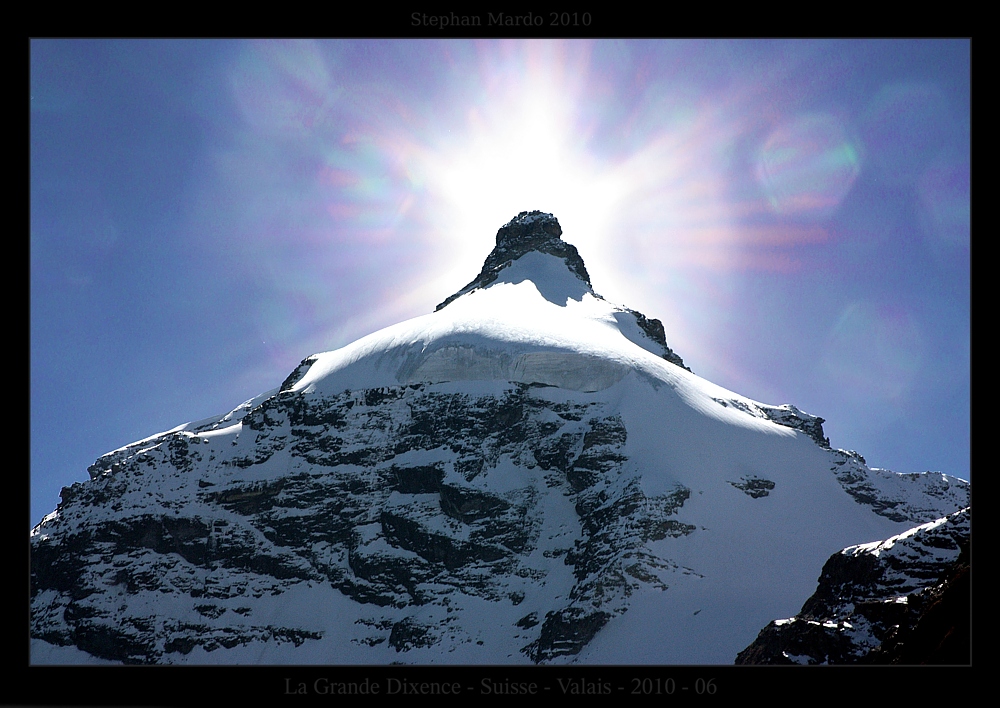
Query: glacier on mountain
x,y
529,474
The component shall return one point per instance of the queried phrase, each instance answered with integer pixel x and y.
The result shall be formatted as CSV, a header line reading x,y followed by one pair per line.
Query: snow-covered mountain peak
x,y
530,316
529,231
526,475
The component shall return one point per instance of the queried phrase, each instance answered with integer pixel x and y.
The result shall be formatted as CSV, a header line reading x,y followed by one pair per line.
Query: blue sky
x,y
205,214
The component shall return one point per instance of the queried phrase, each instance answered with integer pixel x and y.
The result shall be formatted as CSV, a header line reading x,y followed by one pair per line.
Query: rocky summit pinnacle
x,y
526,232
538,231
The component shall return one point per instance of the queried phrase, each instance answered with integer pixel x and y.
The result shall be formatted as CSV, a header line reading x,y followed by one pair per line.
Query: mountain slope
x,y
528,474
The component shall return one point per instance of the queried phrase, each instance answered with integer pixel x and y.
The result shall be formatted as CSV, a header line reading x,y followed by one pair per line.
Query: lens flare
x,y
807,166
347,160
283,87
379,172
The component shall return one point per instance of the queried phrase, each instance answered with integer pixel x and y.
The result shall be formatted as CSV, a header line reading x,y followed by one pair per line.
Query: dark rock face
x,y
407,634
937,628
786,415
320,490
566,632
654,330
903,600
754,487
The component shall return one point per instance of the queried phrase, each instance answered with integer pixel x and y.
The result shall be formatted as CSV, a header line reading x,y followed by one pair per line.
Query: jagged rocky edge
x,y
872,603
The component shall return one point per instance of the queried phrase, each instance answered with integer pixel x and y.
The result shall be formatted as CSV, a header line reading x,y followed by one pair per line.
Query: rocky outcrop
x,y
898,497
786,415
526,232
753,486
540,232
653,329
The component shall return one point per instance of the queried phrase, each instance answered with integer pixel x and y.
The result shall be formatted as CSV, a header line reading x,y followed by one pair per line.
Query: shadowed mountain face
x,y
527,475
549,276
529,232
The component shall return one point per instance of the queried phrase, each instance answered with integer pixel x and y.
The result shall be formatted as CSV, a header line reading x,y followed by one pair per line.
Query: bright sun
x,y
522,155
